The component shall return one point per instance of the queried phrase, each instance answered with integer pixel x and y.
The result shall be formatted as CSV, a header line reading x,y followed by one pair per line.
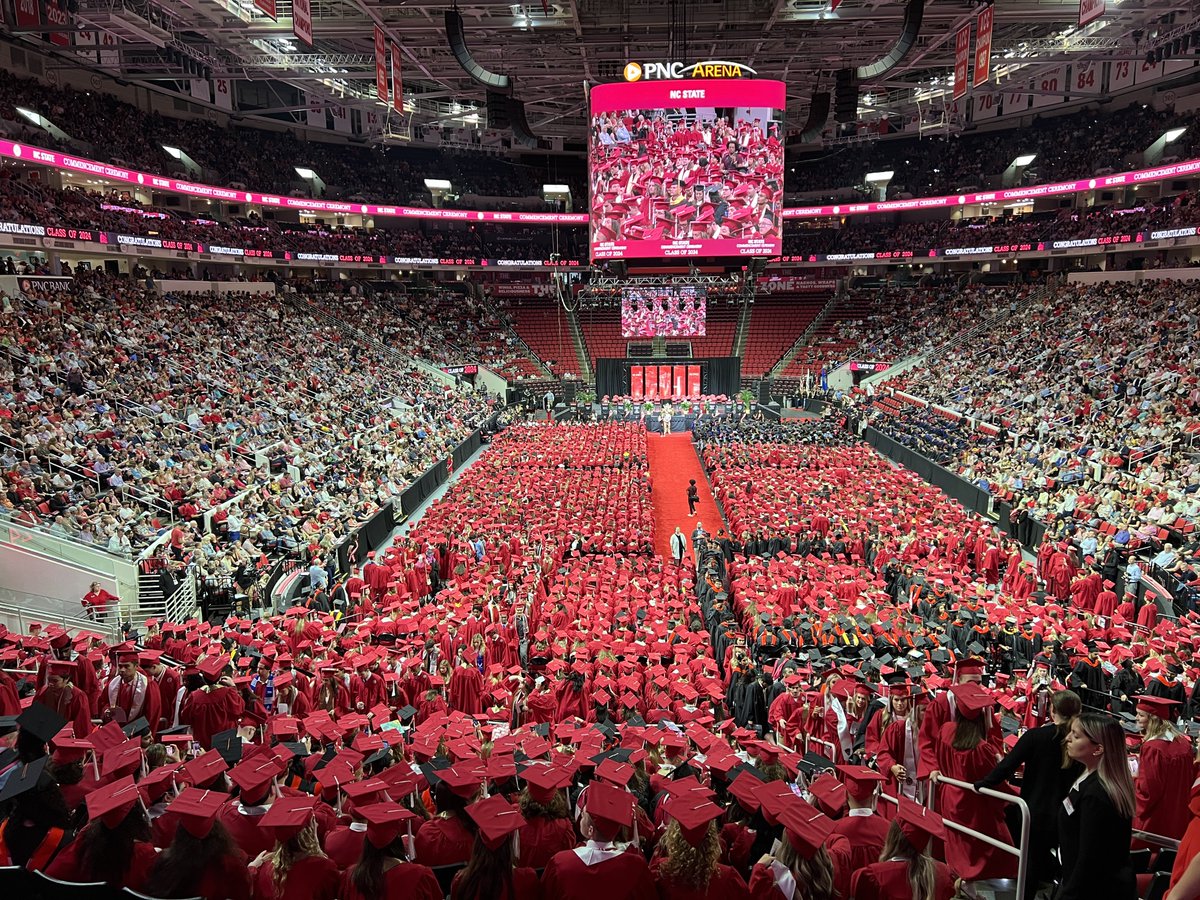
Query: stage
x,y
657,380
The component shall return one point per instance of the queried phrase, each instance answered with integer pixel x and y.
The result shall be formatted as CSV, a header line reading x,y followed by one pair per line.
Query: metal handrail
x,y
1021,852
1159,840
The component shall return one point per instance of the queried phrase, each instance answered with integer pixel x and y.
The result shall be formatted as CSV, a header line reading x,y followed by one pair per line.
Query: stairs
x,y
581,352
743,328
804,340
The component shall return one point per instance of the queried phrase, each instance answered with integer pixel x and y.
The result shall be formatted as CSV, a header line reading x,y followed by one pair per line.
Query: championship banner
x,y
665,382
397,84
680,387
28,13
983,45
635,382
693,381
302,20
962,59
381,72
58,17
266,7
1089,10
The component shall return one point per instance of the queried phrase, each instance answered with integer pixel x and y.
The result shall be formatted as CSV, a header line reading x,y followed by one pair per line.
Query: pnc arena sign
x,y
658,71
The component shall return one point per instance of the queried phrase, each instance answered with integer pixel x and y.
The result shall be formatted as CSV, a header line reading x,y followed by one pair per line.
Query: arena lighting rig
x,y
607,290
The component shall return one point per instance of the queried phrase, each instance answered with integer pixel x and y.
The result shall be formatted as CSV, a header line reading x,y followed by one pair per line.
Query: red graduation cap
x,y
497,820
385,820
543,782
694,814
253,776
972,699
288,816
122,757
610,807
806,827
204,769
860,781
198,810
919,823
113,802
1163,707
829,793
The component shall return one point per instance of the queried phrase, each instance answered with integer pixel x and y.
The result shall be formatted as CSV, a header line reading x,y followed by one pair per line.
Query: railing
x,y
92,559
181,605
1021,852
18,616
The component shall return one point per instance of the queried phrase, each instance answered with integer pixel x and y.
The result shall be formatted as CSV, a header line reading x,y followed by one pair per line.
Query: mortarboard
x,y
919,823
197,810
497,820
204,769
462,781
972,699
610,807
806,827
137,728
1163,707
229,745
829,793
253,775
121,757
288,816
694,814
41,721
26,777
385,821
860,781
113,802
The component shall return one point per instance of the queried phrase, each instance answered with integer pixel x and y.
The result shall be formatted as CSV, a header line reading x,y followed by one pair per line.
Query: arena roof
x,y
552,49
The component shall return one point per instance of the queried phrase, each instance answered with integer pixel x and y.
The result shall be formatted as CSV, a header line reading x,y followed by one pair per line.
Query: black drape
x,y
718,374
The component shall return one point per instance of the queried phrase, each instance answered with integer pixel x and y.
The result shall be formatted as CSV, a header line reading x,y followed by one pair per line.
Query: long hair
x,y
968,733
1113,770
1066,705
287,852
106,853
367,874
922,873
30,816
489,873
814,876
1157,727
180,867
688,866
557,808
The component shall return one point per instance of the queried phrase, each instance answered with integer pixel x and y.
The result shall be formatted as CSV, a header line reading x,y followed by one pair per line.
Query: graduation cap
x,y
497,820
813,763
41,722
610,807
694,816
204,769
26,777
406,712
229,745
123,756
288,816
806,827
829,792
138,728
8,724
197,810
385,820
113,802
919,823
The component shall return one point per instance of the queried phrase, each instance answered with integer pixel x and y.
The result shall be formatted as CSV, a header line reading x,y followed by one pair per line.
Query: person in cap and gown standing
x,y
131,694
967,752
202,860
115,846
493,872
296,869
905,870
1165,770
64,698
447,838
800,865
689,867
548,828
212,705
601,867
862,826
385,871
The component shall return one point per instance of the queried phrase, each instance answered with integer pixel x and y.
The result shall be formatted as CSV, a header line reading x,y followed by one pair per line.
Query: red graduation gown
x,y
70,703
736,843
310,878
443,842
1163,785
466,690
725,884
622,877
866,835
244,829
405,881
525,887
889,881
344,846
228,878
211,712
970,858
541,838
68,865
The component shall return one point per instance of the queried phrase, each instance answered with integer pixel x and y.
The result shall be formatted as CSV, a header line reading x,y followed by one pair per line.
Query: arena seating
x,y
544,325
776,322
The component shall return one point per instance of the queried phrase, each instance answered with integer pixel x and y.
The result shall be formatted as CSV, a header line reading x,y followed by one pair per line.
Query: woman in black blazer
x,y
1045,782
1095,821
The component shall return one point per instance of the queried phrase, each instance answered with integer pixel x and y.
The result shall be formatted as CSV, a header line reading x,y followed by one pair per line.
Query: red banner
x,y
962,59
635,382
59,19
397,83
680,390
302,20
28,14
693,373
1090,9
664,382
983,45
651,378
381,72
266,7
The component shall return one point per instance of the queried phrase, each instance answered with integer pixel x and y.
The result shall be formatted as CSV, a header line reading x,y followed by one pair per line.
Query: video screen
x,y
686,168
662,312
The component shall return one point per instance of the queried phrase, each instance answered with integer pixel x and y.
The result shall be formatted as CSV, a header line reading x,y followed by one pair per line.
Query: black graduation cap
x,y
41,721
26,777
921,642
620,755
744,767
297,748
812,763
975,648
137,728
430,770
377,757
543,728
607,729
886,660
407,712
1009,725
866,653
229,745
178,729
940,657
8,724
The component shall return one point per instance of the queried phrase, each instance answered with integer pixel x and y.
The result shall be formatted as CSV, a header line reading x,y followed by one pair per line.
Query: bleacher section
x,y
543,325
826,345
601,328
776,322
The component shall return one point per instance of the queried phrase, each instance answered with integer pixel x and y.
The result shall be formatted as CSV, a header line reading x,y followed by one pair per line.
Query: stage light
x,y
1024,159
173,152
1173,134
437,184
873,177
305,173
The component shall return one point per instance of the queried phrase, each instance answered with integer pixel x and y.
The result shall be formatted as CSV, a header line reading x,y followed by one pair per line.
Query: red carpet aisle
x,y
673,462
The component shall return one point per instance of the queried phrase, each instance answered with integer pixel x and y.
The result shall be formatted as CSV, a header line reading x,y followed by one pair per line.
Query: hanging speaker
x,y
497,111
521,132
913,13
846,90
818,115
458,46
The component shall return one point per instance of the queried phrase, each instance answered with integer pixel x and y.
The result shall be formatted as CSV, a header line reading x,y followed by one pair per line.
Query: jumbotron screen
x,y
662,312
682,168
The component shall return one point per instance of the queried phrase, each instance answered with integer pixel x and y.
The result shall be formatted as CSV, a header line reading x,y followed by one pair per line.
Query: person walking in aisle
x,y
693,497
678,546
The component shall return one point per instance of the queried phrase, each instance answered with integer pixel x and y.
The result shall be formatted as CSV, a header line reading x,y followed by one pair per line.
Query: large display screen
x,y
662,312
690,167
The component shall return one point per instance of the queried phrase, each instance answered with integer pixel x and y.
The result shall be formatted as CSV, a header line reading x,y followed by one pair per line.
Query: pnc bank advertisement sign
x,y
659,71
